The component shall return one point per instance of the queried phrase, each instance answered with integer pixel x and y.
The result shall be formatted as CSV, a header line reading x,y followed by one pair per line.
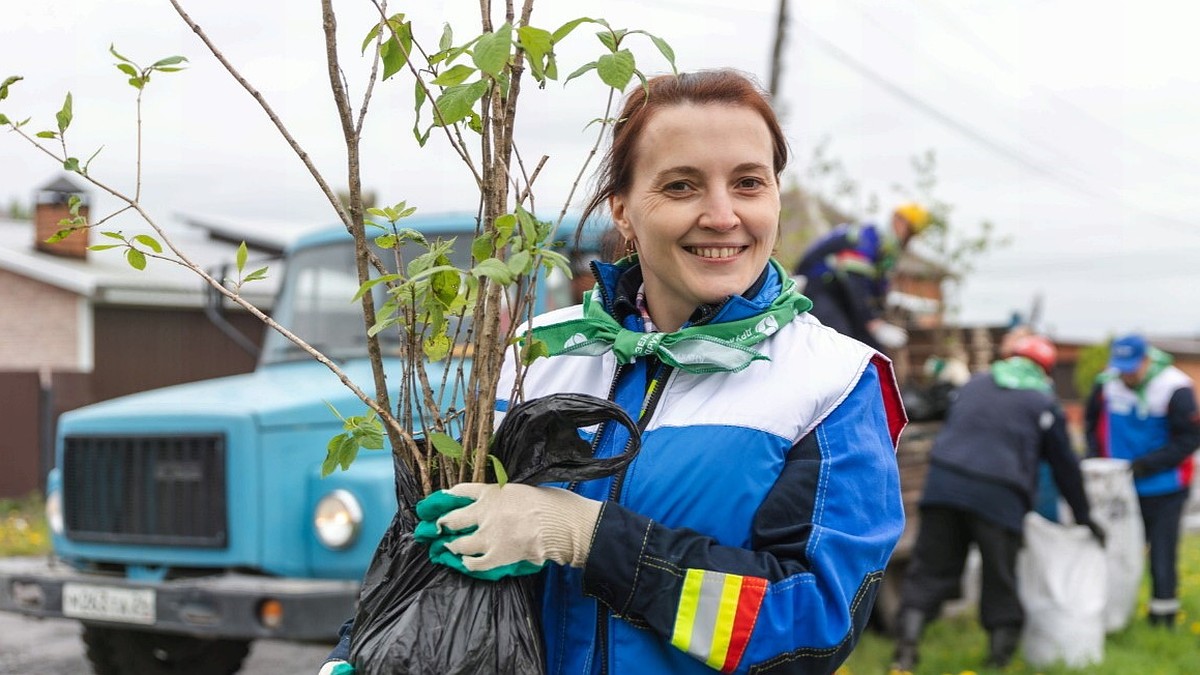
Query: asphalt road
x,y
53,647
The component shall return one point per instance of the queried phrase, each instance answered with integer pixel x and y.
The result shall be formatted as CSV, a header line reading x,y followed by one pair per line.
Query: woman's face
x,y
703,206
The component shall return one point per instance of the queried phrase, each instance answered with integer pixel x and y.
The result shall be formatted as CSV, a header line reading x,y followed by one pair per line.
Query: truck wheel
x,y
115,651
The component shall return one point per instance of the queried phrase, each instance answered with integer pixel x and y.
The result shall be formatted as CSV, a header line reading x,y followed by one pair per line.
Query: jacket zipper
x,y
614,494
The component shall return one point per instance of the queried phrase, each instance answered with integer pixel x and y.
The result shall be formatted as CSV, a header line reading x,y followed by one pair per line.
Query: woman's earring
x,y
630,248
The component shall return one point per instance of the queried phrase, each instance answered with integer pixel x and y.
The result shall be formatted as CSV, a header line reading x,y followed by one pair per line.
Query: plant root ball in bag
x,y
416,617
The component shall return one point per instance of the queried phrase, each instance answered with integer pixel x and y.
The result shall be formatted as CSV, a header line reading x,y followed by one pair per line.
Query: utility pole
x,y
781,20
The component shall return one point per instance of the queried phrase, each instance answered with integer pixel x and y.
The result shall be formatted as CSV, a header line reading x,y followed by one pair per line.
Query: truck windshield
x,y
316,302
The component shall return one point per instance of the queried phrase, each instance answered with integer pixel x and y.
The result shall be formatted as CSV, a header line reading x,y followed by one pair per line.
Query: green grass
x,y
958,646
23,528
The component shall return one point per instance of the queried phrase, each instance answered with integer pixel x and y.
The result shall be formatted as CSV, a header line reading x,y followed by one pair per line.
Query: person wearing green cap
x,y
1143,410
752,529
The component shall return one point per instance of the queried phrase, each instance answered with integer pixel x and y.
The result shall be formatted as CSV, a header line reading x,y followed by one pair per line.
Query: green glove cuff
x,y
439,504
343,669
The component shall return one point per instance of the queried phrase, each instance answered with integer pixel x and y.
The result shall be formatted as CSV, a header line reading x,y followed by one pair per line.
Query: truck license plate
x,y
127,605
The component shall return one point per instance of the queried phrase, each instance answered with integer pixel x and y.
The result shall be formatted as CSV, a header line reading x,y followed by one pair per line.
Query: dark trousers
x,y
940,554
1161,515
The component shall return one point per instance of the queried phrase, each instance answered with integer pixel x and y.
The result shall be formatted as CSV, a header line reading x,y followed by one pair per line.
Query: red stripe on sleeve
x,y
749,601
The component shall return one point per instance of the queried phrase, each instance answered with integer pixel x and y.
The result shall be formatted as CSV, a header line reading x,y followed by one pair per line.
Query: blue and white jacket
x,y
751,532
1156,424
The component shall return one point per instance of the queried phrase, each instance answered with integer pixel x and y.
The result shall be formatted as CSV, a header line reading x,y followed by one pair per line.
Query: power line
x,y
959,26
1014,156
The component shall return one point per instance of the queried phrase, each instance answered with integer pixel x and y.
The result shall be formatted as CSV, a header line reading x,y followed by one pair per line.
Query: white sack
x,y
1061,583
1114,507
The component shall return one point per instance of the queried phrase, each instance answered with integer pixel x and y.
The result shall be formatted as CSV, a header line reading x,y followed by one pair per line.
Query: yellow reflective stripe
x,y
685,617
724,621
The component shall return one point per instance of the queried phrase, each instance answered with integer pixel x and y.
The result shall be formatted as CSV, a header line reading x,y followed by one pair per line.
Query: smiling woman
x,y
751,530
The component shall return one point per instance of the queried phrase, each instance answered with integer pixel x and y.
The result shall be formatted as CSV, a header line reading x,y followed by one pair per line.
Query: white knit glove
x,y
521,522
889,335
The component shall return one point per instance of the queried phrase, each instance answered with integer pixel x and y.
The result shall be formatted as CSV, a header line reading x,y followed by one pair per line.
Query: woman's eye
x,y
751,182
677,186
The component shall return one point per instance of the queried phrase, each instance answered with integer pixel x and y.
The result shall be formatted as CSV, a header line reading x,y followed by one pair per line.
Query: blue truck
x,y
191,520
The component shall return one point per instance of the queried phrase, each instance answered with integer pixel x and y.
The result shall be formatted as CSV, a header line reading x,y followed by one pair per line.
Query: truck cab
x,y
191,520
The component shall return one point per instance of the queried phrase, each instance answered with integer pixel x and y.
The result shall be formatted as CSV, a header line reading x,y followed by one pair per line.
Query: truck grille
x,y
152,490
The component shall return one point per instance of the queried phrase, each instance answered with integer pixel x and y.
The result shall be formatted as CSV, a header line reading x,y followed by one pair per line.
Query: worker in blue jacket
x,y
982,480
848,275
1143,409
751,531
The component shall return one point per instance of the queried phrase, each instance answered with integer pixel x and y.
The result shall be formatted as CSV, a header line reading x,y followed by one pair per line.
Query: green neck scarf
x,y
707,348
1018,372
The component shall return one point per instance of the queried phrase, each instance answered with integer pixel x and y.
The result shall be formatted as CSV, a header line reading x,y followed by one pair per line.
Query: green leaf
x,y
609,39
498,469
493,49
409,234
456,102
348,450
519,263
137,259
565,29
371,35
169,61
386,240
533,350
447,39
152,243
580,71
665,50
137,83
113,50
536,42
71,164
4,119
616,69
454,75
371,283
482,247
8,81
257,275
445,286
494,269
102,247
436,347
47,134
394,57
114,235
127,69
446,445
241,256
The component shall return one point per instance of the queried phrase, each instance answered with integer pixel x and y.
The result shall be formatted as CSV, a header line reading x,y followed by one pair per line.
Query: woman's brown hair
x,y
726,87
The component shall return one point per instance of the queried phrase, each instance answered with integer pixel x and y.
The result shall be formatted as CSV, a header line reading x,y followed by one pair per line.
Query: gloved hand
x,y
517,523
336,668
1139,468
887,334
1098,533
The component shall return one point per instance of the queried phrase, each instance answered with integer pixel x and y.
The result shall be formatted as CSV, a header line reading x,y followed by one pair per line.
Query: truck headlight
x,y
338,519
54,512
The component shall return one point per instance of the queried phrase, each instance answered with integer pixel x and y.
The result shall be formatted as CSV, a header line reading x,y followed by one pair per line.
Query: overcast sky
x,y
1071,125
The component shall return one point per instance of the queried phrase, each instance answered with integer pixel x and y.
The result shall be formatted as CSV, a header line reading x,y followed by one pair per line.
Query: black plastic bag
x,y
414,616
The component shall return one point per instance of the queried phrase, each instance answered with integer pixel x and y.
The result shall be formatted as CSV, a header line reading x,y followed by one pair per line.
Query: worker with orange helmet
x,y
982,481
847,273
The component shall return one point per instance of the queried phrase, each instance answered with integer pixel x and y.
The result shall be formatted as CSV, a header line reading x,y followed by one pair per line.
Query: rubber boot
x,y
1164,620
1002,645
909,624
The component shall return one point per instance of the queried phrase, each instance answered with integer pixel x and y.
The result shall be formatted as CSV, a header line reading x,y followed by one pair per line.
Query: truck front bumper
x,y
233,606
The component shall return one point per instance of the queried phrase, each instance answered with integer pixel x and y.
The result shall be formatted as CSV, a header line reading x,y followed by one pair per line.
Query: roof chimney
x,y
53,205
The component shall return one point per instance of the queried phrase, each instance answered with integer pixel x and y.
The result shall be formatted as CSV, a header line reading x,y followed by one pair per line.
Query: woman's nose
x,y
718,212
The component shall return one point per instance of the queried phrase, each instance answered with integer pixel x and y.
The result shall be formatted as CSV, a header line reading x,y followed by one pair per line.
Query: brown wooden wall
x,y
135,350
139,349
